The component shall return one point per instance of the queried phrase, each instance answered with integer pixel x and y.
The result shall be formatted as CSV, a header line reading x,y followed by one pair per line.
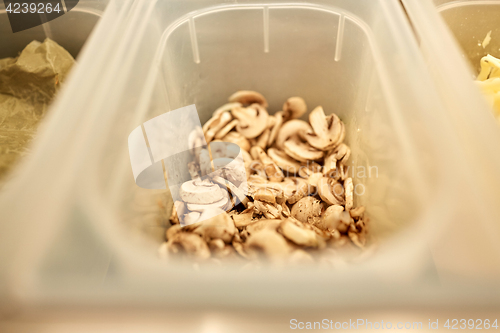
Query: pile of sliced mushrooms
x,y
298,206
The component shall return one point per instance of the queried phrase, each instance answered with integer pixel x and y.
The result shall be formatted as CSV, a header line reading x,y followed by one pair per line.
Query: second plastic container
x,y
358,59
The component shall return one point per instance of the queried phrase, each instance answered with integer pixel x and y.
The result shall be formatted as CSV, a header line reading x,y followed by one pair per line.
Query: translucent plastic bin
x,y
449,33
94,238
71,31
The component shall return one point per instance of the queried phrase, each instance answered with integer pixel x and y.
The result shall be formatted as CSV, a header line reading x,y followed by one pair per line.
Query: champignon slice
x,y
278,122
263,138
291,129
265,195
221,204
247,97
173,230
328,131
357,212
272,244
189,243
331,191
268,210
226,129
340,154
216,126
301,151
285,162
271,224
252,121
242,220
295,189
225,107
294,108
191,218
238,139
295,231
199,191
307,210
349,195
306,170
331,217
220,225
273,172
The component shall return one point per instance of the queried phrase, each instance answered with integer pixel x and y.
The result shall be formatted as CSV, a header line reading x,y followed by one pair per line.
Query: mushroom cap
x,y
247,97
328,131
302,151
290,129
294,108
252,121
285,162
331,191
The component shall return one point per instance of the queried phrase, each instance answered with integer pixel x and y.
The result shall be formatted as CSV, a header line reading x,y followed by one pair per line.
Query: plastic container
x,y
90,241
70,31
452,53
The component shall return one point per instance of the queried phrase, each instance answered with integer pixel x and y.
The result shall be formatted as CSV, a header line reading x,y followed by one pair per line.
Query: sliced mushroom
x,y
223,119
189,243
291,129
306,170
328,131
252,121
295,231
205,162
265,195
278,122
224,108
294,108
307,210
338,155
295,189
242,220
271,224
226,129
272,244
247,97
178,209
173,230
268,210
357,212
199,191
331,191
263,138
331,218
221,204
238,139
220,226
191,218
285,162
273,172
349,196
302,151
314,179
